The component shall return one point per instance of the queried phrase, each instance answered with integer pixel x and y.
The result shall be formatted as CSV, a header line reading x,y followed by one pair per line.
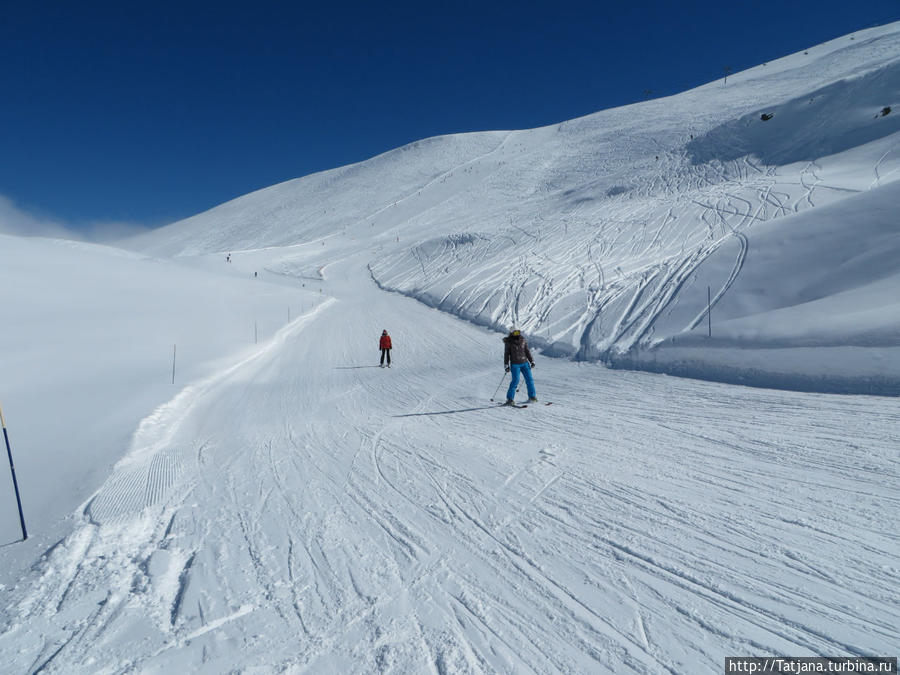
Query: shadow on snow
x,y
449,412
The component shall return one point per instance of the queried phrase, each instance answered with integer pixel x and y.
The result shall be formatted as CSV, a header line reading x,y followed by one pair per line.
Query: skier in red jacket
x,y
385,346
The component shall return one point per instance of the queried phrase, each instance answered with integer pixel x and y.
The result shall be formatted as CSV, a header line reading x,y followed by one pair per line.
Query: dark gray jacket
x,y
516,350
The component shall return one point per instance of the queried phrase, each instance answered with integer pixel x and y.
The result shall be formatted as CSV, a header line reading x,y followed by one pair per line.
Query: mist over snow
x,y
218,477
18,221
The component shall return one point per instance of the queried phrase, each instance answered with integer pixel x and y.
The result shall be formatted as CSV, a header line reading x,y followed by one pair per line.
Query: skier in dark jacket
x,y
517,359
384,344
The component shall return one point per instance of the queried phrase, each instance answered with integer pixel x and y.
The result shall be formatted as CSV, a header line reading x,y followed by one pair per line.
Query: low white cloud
x,y
21,222
17,221
112,231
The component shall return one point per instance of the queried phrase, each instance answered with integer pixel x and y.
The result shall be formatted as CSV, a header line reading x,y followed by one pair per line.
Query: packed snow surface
x,y
307,510
288,506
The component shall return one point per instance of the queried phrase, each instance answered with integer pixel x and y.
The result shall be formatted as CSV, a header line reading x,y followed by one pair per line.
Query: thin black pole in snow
x,y
289,314
498,386
174,348
255,334
12,470
708,312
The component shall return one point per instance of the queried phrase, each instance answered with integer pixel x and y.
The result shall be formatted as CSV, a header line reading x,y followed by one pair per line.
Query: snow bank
x,y
86,352
808,302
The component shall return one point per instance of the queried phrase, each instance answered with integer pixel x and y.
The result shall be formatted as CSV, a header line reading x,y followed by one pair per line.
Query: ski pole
x,y
498,386
12,470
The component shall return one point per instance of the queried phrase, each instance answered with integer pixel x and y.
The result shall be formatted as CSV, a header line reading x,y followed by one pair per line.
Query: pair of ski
x,y
517,405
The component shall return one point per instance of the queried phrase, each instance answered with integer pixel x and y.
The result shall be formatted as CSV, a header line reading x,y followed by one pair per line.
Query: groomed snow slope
x,y
306,511
599,236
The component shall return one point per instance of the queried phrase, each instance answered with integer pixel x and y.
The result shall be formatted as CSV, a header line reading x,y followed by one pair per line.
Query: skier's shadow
x,y
446,412
353,367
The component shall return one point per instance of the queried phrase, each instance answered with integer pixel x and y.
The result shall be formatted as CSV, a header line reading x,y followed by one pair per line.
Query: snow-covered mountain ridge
x,y
599,236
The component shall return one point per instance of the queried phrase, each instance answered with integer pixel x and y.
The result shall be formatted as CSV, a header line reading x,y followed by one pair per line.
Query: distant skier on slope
x,y
517,359
384,344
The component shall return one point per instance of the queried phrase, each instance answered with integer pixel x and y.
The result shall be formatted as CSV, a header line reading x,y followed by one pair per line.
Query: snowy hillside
x,y
599,236
87,352
288,506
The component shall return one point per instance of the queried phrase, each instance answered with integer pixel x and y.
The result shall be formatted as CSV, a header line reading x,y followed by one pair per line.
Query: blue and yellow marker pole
x,y
12,470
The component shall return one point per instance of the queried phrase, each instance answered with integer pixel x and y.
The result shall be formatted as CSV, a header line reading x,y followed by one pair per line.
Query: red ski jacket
x,y
385,342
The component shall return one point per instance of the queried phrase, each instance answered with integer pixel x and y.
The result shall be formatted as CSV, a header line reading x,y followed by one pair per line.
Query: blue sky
x,y
145,113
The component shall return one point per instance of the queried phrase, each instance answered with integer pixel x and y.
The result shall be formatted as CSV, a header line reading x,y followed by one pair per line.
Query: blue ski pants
x,y
524,369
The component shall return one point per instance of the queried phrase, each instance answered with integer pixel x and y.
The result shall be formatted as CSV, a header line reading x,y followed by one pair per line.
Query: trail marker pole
x,y
12,470
708,312
174,348
255,334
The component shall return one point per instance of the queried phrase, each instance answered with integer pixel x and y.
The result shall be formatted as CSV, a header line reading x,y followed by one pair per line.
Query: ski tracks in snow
x,y
310,512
